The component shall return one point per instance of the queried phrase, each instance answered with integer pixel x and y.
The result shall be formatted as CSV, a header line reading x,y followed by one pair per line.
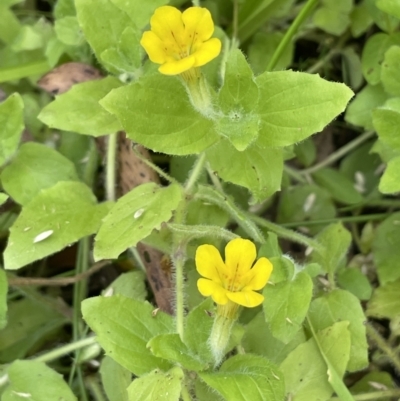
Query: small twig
x,y
55,281
157,169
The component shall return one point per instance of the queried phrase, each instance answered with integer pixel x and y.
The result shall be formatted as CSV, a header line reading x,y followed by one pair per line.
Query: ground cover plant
x,y
199,200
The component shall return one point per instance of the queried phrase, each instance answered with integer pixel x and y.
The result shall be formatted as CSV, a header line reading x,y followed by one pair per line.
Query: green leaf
x,y
131,285
256,168
157,385
102,24
30,323
198,329
340,305
3,298
385,301
354,281
3,198
391,7
369,382
238,98
338,185
10,26
258,339
305,370
374,53
79,110
12,124
127,57
139,11
54,219
68,31
156,112
115,379
386,123
247,377
31,381
336,240
390,74
335,373
286,304
306,152
312,104
384,21
124,334
171,347
360,109
333,16
385,249
361,165
303,203
261,49
390,181
361,20
34,168
134,217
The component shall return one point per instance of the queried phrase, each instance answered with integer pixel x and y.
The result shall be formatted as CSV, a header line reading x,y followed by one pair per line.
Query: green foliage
x,y
305,368
133,218
286,304
34,168
338,306
11,121
157,385
115,379
124,336
37,382
3,299
257,379
78,110
233,144
49,223
385,301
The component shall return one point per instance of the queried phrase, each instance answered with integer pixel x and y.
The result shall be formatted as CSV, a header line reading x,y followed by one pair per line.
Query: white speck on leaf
x,y
42,236
138,213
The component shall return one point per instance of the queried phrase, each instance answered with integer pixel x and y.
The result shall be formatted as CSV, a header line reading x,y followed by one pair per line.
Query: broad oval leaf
x,y
295,105
134,217
55,218
124,326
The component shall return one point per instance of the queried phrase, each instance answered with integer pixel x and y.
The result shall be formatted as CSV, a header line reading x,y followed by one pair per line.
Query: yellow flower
x,y
180,41
235,279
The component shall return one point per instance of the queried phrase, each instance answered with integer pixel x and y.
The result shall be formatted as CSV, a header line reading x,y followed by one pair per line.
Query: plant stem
x,y
95,389
179,260
348,219
157,169
195,173
110,166
285,233
65,350
377,395
291,172
339,153
305,11
185,393
383,346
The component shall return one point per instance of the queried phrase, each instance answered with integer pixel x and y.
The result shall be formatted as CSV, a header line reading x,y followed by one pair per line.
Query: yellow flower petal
x,y
209,263
239,256
258,276
208,287
199,25
207,52
175,67
167,24
154,47
249,299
